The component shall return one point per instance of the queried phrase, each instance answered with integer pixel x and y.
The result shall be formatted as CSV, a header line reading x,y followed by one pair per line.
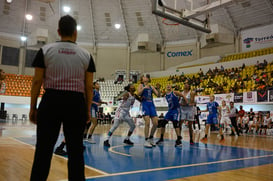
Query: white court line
x,y
22,142
87,166
181,166
111,149
119,153
202,148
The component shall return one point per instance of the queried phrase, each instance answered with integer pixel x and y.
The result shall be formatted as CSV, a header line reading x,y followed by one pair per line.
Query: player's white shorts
x,y
250,123
225,120
187,113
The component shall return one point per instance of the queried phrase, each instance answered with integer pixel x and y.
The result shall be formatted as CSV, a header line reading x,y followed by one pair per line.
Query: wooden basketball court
x,y
248,157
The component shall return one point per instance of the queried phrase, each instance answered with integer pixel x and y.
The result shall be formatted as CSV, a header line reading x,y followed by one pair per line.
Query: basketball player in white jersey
x,y
244,121
266,123
254,123
122,114
187,107
224,118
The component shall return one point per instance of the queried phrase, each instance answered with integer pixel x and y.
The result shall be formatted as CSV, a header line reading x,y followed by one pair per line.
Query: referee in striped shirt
x,y
66,72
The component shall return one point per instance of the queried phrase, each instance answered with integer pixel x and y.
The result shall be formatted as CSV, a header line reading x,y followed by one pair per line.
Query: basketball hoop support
x,y
174,18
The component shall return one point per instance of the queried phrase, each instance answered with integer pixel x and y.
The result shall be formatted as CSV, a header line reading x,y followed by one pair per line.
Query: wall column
x,y
198,52
22,60
128,63
162,57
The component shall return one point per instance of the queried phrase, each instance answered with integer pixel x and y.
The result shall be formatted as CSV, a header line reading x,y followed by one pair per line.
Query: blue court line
x,y
185,170
165,162
161,156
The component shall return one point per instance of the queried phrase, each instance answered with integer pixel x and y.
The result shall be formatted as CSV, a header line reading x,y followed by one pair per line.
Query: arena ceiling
x,y
98,18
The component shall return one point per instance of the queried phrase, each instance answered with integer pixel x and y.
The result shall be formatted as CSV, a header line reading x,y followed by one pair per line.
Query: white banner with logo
x,y
257,38
160,102
201,99
218,98
250,97
227,97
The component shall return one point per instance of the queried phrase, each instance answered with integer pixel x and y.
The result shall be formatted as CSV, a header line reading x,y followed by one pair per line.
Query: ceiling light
x,y
23,38
29,17
9,1
117,26
66,9
79,27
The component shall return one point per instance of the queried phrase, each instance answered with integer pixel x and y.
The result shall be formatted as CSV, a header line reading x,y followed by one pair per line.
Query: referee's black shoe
x,y
61,152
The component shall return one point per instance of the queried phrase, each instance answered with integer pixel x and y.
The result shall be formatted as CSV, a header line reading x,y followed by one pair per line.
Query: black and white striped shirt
x,y
65,65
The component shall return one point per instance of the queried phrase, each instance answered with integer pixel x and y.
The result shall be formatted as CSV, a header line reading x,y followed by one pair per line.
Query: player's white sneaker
x,y
152,142
147,144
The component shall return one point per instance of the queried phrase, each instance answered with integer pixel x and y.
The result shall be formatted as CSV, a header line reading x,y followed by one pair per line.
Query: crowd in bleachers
x,y
221,80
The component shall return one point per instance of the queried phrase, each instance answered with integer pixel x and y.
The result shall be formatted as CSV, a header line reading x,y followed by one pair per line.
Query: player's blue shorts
x,y
148,109
173,115
212,119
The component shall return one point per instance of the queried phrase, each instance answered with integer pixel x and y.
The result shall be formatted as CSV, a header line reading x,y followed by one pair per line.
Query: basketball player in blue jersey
x,y
187,106
212,108
145,91
173,113
96,102
122,114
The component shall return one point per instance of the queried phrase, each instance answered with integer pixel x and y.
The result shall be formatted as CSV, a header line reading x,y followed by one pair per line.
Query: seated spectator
x,y
265,63
163,92
222,68
254,123
243,66
255,75
257,65
210,84
261,66
201,73
232,73
247,78
209,73
108,118
219,89
161,116
236,87
242,85
177,88
170,78
158,87
215,71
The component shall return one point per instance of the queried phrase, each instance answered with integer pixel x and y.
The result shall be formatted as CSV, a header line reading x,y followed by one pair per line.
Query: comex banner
x,y
257,38
179,53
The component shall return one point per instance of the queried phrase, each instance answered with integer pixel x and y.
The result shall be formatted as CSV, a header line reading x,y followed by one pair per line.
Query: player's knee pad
x,y
132,127
176,124
162,123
